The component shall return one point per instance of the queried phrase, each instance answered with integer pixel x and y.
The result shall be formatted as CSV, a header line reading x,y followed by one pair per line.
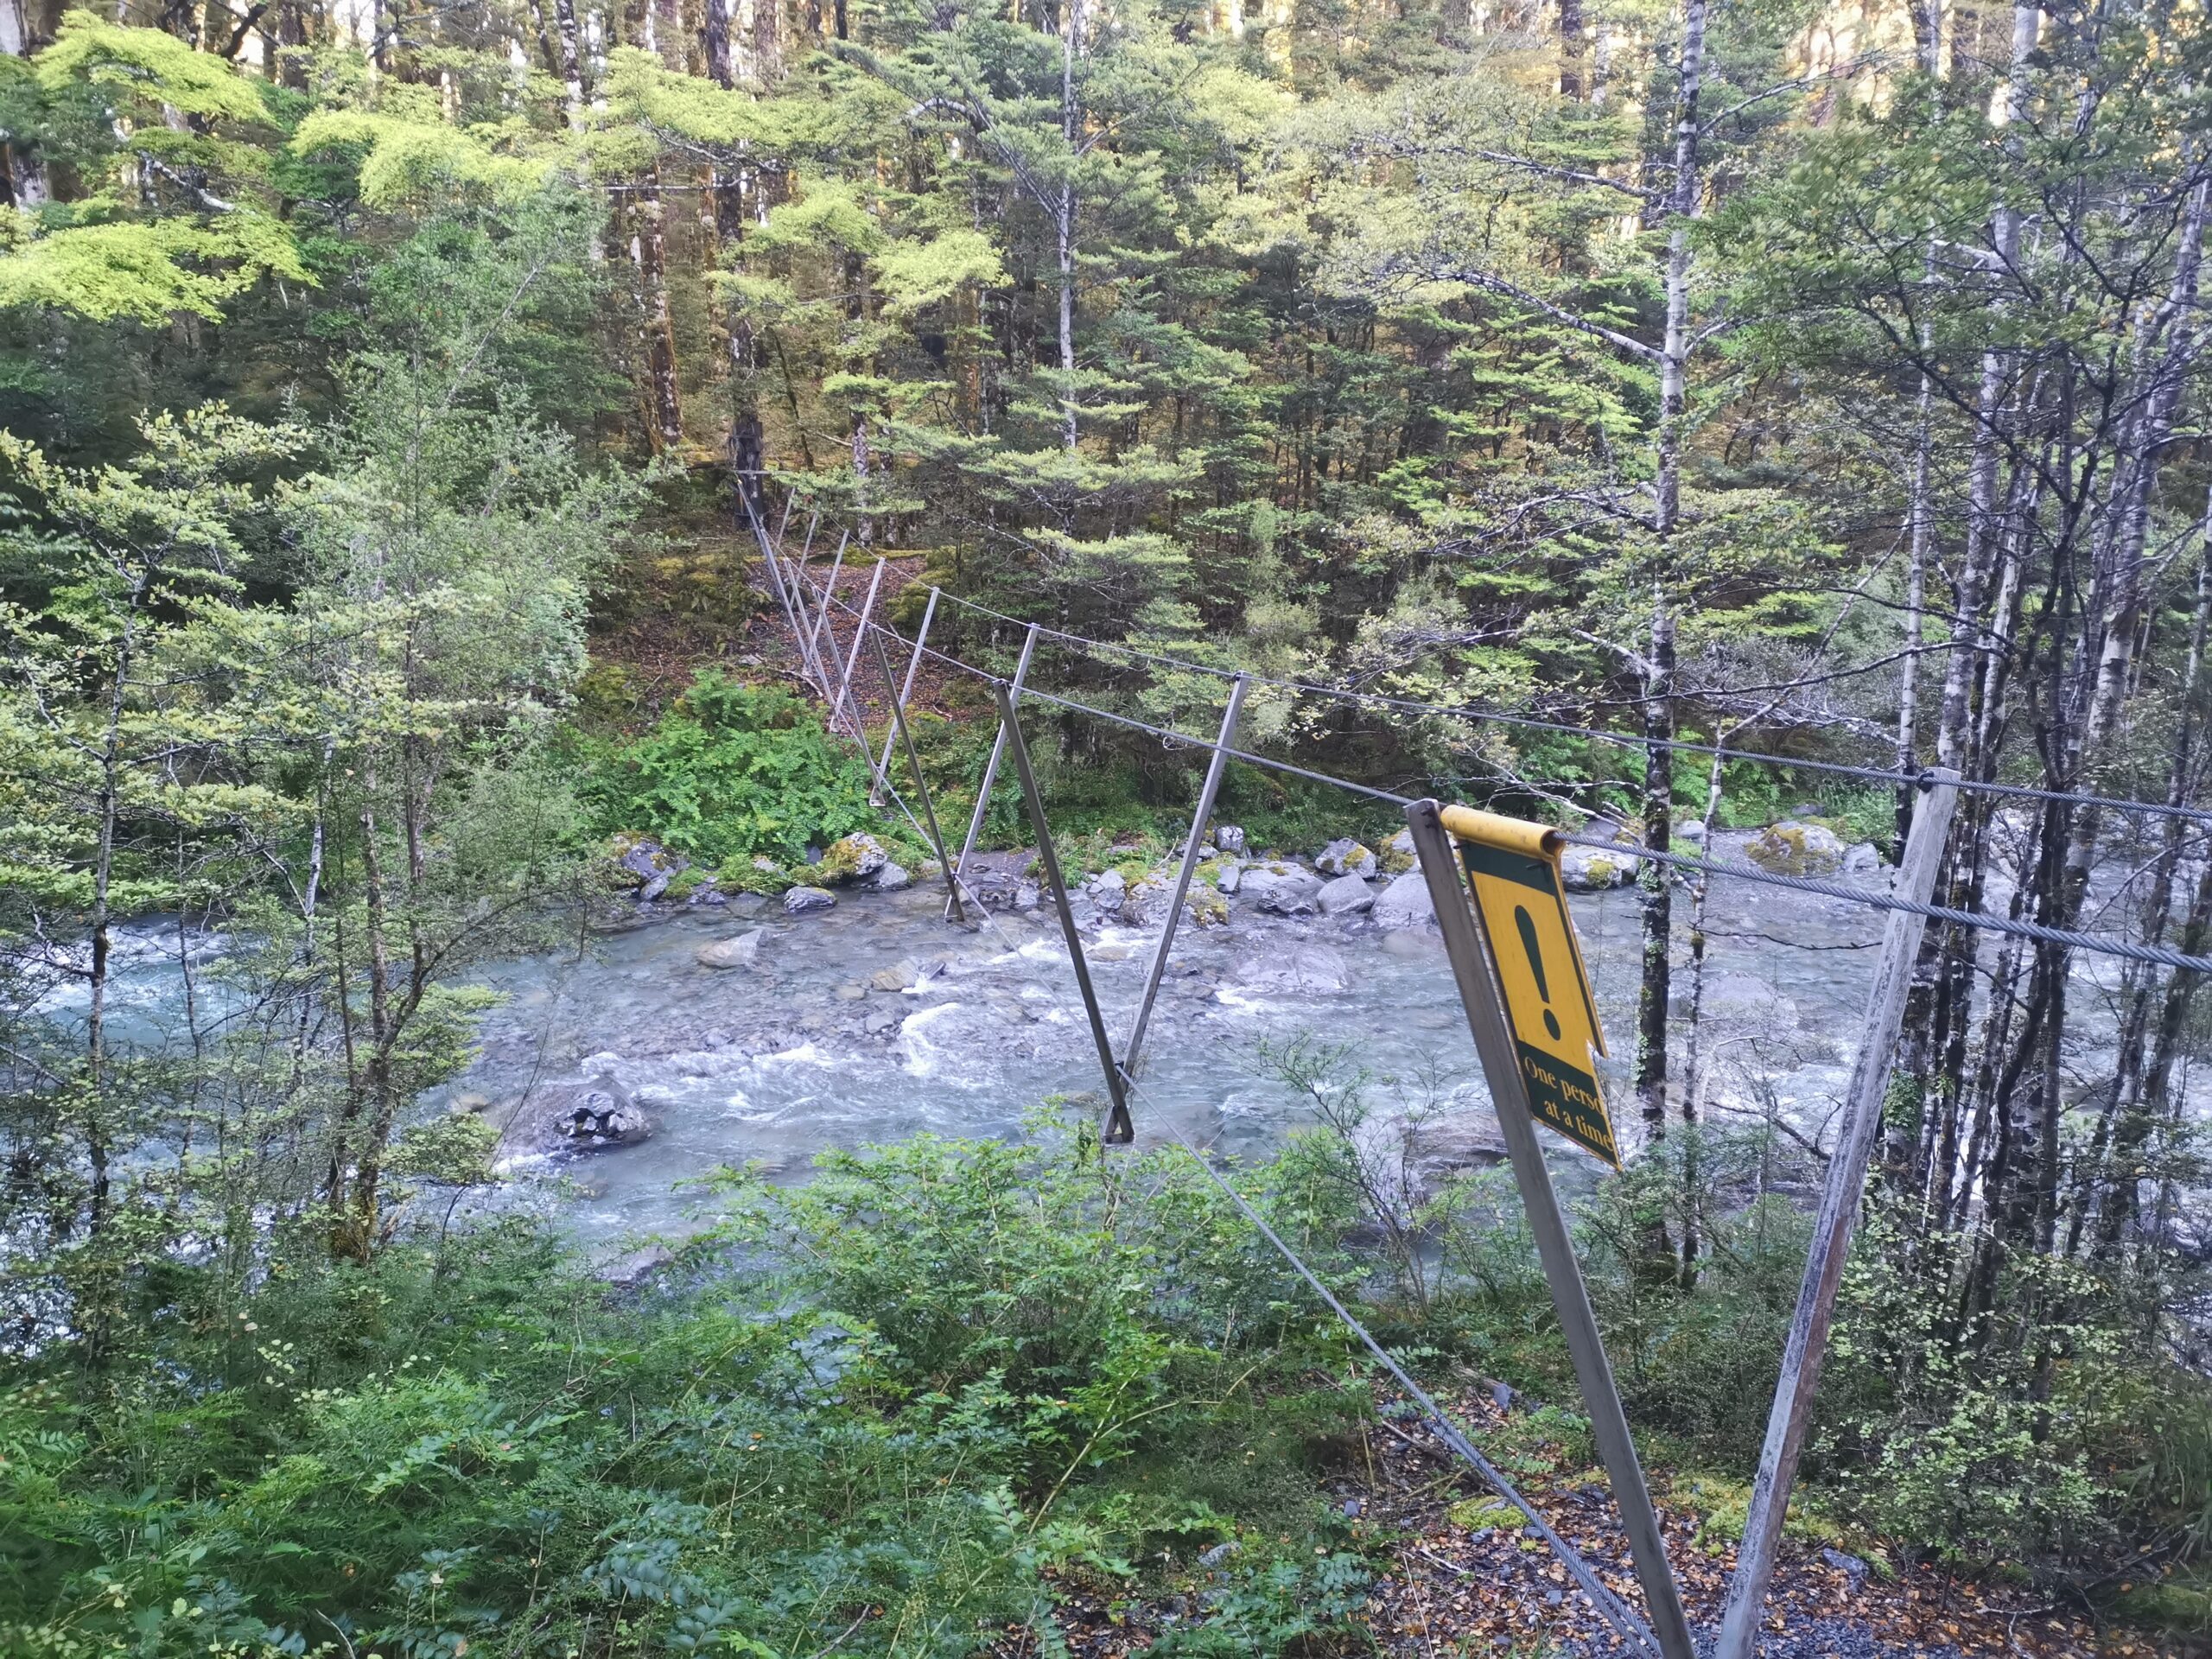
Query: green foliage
x,y
729,773
462,1441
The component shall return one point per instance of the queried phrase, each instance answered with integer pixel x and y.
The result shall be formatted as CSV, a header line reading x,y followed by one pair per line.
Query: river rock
x,y
1405,903
998,879
1284,889
799,900
1347,895
740,953
891,878
1792,847
1228,838
1108,891
850,857
1444,1145
1346,857
598,1120
902,975
1862,859
1228,875
1398,854
631,1270
1314,969
654,886
1592,869
646,858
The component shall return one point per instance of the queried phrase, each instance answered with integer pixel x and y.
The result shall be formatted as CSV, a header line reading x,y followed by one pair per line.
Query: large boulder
x,y
1108,891
1229,839
1000,881
799,901
646,858
1314,969
1864,858
1398,854
891,878
740,953
901,976
598,1120
1347,895
1794,848
850,857
1346,857
1405,903
1592,869
1284,889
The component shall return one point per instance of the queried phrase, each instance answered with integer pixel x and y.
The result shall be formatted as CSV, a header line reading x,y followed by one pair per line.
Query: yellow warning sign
x,y
1513,877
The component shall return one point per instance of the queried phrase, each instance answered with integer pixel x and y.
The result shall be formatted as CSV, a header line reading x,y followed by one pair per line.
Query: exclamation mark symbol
x,y
1527,924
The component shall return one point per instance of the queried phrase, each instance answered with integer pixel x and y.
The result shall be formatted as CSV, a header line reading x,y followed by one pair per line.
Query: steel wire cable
x,y
1620,739
2153,955
1609,1604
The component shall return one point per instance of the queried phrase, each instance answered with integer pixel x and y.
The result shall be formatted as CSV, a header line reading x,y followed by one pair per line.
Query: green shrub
x,y
730,772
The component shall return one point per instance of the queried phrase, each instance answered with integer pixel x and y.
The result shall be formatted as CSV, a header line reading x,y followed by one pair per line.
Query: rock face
x,y
1284,889
851,857
740,953
799,900
1346,857
1405,903
1347,895
1592,869
1792,848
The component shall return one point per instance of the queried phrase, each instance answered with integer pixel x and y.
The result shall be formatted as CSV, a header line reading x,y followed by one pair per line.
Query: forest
x,y
1664,418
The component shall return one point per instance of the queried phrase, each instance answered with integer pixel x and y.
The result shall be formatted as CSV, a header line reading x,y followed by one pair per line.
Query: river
x,y
798,1052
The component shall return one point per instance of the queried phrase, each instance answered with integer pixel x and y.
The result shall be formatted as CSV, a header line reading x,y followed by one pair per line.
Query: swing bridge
x,y
814,613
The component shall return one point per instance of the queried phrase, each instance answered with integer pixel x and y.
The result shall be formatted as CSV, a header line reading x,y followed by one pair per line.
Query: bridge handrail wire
x,y
2096,944
1621,740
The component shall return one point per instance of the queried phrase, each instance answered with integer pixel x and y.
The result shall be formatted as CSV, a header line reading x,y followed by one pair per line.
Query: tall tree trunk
x,y
572,63
1650,1072
26,183
1064,218
1571,30
656,335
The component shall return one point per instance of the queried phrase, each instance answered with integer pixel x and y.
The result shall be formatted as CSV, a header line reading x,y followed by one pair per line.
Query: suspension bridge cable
x,y
1616,1611
2101,945
1621,740
1609,1604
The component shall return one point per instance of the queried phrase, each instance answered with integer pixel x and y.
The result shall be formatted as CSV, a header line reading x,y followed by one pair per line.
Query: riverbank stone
x,y
1348,895
1398,854
1594,869
1228,838
801,900
1405,903
850,857
1284,889
1345,856
1794,848
891,878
